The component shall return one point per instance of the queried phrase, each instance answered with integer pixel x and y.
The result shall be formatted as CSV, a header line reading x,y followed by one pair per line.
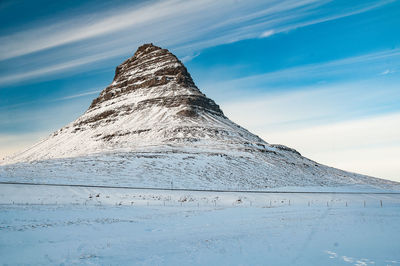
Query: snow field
x,y
56,195
70,225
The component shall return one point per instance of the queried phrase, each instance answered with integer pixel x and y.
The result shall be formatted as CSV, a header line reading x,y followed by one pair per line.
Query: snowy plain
x,y
56,225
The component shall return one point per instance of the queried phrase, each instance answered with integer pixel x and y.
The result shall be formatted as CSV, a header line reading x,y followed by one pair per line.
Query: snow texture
x,y
46,225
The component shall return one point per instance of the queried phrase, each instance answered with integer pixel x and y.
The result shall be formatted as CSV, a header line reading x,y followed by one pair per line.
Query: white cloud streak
x,y
314,106
61,67
78,95
169,12
185,26
367,66
330,17
267,33
68,97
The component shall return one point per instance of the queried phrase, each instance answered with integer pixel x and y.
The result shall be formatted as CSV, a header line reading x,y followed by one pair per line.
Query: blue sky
x,y
319,76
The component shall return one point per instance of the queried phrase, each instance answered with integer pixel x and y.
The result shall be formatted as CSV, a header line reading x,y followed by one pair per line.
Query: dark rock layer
x,y
152,66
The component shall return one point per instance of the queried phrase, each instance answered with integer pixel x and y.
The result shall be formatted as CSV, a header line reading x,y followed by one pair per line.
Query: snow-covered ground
x,y
72,225
189,168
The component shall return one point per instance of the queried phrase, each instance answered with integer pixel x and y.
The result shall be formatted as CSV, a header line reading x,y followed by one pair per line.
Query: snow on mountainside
x,y
152,126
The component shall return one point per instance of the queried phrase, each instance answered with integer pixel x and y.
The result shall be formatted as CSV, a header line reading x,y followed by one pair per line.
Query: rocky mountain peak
x,y
150,67
151,57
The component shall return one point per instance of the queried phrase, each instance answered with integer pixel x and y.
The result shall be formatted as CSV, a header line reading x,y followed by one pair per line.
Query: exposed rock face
x,y
152,124
152,67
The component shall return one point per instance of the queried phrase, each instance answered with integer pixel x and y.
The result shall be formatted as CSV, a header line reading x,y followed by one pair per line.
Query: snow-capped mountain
x,y
152,127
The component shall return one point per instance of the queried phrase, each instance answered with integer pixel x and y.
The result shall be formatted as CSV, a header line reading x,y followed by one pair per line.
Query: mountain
x,y
153,127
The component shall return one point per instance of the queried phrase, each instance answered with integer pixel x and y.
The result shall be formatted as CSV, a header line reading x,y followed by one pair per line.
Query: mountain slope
x,y
152,126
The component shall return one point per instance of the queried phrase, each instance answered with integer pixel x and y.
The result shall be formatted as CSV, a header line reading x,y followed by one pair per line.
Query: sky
x,y
322,77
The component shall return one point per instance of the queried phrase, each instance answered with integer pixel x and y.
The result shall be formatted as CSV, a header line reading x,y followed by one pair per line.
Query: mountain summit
x,y
153,67
153,127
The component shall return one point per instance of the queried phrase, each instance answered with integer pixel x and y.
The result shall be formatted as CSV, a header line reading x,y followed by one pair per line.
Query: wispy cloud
x,y
328,17
314,106
78,95
353,68
45,117
56,68
388,71
68,97
188,58
185,26
191,14
267,33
